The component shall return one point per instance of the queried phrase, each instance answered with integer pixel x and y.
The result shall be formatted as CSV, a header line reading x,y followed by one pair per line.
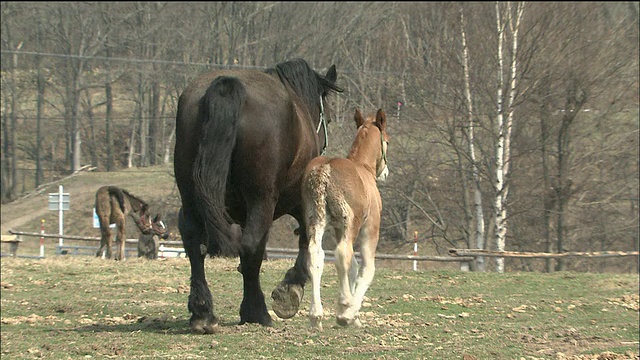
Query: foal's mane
x,y
305,82
136,202
359,141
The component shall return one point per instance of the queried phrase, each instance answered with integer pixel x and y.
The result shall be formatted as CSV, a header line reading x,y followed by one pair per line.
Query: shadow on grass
x,y
149,325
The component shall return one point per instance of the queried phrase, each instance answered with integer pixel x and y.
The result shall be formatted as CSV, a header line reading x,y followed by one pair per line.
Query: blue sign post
x,y
96,221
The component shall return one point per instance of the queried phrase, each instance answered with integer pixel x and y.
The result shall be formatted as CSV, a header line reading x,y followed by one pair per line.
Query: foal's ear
x,y
357,117
156,218
381,120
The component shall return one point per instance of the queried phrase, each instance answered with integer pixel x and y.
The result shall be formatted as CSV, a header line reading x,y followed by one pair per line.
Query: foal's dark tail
x,y
113,190
219,113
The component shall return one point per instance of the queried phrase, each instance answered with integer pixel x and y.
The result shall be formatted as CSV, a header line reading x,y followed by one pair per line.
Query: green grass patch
x,y
83,307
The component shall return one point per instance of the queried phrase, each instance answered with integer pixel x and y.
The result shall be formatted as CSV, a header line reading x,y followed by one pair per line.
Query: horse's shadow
x,y
149,325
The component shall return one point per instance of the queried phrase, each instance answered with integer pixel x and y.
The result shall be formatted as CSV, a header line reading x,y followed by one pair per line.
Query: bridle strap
x,y
384,153
140,222
323,123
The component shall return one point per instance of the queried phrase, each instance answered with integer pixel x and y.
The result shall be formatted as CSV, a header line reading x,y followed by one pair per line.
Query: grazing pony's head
x,y
159,228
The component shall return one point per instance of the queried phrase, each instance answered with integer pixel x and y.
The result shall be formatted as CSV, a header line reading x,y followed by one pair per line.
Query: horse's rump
x,y
119,194
219,118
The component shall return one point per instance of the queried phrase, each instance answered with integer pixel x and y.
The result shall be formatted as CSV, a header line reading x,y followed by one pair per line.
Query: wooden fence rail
x,y
516,254
85,238
270,251
462,256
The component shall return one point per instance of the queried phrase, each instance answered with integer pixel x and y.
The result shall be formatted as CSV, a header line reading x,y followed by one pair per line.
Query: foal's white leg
x,y
344,256
353,273
316,266
365,276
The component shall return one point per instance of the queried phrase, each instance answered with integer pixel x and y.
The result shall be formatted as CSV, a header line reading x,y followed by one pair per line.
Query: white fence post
x,y
415,250
42,238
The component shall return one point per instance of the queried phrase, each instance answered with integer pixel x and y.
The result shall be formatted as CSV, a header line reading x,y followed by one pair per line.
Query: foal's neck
x,y
138,218
365,148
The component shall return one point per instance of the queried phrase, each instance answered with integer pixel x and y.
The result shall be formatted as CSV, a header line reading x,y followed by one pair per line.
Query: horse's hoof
x,y
286,300
316,322
357,323
201,326
264,321
345,321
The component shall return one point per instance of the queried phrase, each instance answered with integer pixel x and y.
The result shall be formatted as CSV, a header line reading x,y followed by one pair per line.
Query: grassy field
x,y
82,307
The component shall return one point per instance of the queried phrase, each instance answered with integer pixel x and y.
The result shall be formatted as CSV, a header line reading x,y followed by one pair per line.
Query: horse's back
x,y
258,84
264,95
269,111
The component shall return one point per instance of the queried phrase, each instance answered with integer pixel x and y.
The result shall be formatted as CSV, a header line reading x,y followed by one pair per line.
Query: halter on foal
x,y
340,194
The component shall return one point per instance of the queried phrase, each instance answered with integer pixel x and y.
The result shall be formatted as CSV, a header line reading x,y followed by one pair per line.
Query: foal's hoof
x,y
343,321
316,322
286,300
201,326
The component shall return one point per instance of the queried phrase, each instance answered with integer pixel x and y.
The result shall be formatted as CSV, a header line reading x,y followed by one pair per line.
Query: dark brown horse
x,y
243,139
113,204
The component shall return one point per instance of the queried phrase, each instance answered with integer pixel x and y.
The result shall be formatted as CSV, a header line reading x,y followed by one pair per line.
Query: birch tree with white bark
x,y
479,235
504,127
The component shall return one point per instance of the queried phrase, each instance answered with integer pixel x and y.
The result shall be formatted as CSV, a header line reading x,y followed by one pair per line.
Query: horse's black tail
x,y
113,190
219,113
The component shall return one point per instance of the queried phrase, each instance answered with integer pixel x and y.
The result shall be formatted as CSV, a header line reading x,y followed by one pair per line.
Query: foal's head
x,y
148,226
379,123
159,228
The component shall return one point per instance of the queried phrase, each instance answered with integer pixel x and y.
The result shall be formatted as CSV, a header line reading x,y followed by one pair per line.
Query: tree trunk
x,y
499,225
40,83
503,153
545,94
13,134
154,134
144,124
109,110
479,234
167,146
93,145
576,97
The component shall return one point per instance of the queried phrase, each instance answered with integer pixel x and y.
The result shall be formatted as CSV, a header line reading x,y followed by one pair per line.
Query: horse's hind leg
x,y
203,320
289,293
105,239
254,241
104,233
120,241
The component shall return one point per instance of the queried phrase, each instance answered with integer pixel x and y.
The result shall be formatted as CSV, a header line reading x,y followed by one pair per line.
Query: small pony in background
x,y
112,206
341,194
149,244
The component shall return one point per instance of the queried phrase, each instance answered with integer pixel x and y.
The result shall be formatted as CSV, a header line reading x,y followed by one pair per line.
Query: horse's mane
x,y
307,84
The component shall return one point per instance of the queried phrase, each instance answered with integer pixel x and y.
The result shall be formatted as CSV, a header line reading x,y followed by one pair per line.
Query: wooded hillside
x,y
513,126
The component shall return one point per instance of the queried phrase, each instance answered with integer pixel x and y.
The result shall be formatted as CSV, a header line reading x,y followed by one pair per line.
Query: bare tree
x,y
477,190
503,146
11,90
